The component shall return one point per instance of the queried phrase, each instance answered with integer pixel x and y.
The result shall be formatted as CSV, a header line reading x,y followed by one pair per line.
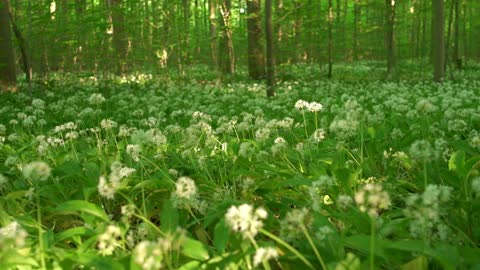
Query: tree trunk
x,y
226,54
270,52
330,22
438,46
186,32
22,44
356,16
120,41
390,36
279,10
256,57
213,30
7,57
456,39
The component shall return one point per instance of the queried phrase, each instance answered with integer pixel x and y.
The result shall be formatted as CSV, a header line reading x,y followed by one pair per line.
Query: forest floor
x,y
149,172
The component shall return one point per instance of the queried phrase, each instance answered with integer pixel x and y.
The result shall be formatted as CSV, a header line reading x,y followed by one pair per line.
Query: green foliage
x,y
142,173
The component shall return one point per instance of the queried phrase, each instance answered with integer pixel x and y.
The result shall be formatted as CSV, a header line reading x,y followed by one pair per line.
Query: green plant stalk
x,y
361,145
372,244
73,150
310,241
41,247
289,247
305,124
425,174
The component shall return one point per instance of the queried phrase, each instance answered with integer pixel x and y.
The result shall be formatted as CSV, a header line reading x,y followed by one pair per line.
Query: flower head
x,y
264,254
245,220
37,171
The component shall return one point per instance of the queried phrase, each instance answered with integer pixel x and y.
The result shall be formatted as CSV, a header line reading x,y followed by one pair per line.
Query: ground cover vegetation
x,y
239,134
145,173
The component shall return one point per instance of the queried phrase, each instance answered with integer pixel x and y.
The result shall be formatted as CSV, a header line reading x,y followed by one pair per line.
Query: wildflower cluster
x,y
245,220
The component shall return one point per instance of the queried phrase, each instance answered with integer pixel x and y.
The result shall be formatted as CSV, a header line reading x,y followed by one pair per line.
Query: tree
x,y
330,37
438,41
7,57
212,7
356,16
119,35
256,57
270,53
390,36
227,59
456,40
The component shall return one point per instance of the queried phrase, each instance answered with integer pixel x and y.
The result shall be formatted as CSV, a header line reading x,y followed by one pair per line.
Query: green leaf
x,y
77,231
419,263
195,249
221,235
74,206
457,163
169,217
193,265
362,244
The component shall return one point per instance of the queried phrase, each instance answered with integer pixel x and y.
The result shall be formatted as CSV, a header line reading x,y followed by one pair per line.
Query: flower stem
x,y
310,241
289,247
372,244
41,248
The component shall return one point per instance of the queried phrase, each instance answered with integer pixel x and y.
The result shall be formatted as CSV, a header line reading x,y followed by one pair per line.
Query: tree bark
x,y
120,41
256,57
212,7
356,16
7,57
22,44
330,37
226,53
270,48
438,46
390,37
456,39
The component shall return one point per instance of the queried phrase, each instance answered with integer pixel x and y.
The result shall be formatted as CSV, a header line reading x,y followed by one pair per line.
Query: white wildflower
x,y
264,254
36,171
244,220
371,198
109,240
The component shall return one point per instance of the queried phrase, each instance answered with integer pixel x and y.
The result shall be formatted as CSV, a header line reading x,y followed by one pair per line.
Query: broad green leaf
x,y
77,231
169,217
221,235
193,265
419,263
195,249
351,262
75,206
362,244
457,163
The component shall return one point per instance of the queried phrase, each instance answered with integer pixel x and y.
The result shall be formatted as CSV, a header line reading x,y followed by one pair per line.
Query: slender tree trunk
x,y
297,33
279,9
330,37
449,33
226,54
22,44
7,57
356,15
120,41
270,48
456,39
80,7
438,41
212,7
256,57
390,36
165,35
186,32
